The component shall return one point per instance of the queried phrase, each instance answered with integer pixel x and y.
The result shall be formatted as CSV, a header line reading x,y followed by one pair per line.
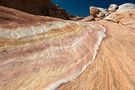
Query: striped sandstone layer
x,y
114,66
41,53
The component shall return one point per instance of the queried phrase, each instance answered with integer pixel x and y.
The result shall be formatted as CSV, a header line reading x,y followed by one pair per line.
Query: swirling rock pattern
x,y
114,66
41,53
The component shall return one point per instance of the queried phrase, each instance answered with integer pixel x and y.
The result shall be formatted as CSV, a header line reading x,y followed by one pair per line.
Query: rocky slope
x,y
39,7
114,66
41,53
125,17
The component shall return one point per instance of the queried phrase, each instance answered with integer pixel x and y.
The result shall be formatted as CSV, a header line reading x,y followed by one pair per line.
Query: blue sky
x,y
81,7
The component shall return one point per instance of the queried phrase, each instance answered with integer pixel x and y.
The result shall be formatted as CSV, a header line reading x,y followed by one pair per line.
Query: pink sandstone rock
x,y
125,17
114,65
41,52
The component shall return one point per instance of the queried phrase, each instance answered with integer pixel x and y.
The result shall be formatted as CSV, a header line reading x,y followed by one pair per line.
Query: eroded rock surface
x,y
126,18
113,8
40,53
126,6
43,53
114,66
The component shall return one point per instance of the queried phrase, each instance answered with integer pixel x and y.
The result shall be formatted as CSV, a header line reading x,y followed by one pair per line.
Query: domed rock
x,y
113,8
126,6
94,11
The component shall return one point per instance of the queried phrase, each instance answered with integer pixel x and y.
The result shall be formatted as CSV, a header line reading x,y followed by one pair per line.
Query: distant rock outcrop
x,y
113,8
38,7
126,6
97,13
94,11
124,15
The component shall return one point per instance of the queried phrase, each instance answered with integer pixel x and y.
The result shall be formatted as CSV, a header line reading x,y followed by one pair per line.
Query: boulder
x,y
94,11
97,12
103,13
113,8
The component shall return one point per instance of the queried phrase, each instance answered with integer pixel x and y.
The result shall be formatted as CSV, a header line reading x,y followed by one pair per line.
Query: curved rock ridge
x,y
126,6
114,65
37,7
10,18
39,53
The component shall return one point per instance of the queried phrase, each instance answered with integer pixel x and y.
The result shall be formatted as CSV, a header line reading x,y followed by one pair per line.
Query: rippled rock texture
x,y
114,66
40,53
43,53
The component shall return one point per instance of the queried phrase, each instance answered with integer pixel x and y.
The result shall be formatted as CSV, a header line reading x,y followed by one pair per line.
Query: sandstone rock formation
x,y
113,8
97,12
39,53
126,6
94,11
111,13
38,7
44,53
114,66
87,19
124,15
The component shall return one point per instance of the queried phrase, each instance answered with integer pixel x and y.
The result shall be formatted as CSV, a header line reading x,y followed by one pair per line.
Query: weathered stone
x,y
126,6
94,11
37,7
97,12
113,8
125,17
39,52
88,19
114,65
